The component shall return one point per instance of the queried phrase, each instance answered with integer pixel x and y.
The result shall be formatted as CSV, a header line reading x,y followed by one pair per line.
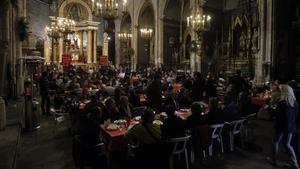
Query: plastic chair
x,y
215,135
233,129
249,126
179,148
59,117
86,155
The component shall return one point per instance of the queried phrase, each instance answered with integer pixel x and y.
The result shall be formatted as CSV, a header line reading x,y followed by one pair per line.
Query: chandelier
x,y
60,27
146,33
198,21
108,9
124,36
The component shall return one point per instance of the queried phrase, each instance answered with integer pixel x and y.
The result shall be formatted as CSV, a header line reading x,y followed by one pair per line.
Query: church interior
x,y
104,42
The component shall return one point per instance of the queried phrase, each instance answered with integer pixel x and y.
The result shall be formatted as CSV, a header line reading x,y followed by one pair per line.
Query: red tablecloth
x,y
259,100
177,86
115,139
112,134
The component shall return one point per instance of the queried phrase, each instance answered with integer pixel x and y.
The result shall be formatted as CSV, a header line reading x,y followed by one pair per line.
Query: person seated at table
x,y
133,97
145,133
231,110
84,151
95,102
90,125
196,119
171,98
215,114
125,108
117,95
146,136
184,98
173,126
112,111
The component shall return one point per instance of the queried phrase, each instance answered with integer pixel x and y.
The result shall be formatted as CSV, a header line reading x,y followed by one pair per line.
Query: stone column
x,y
193,62
117,43
134,46
47,50
261,54
95,46
81,43
89,46
269,38
60,51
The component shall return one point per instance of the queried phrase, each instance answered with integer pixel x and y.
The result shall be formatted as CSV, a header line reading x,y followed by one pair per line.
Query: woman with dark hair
x,y
215,114
173,126
126,109
196,119
112,111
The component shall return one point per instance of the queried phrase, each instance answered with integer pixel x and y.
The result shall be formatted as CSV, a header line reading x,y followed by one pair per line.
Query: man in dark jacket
x,y
44,92
198,88
153,93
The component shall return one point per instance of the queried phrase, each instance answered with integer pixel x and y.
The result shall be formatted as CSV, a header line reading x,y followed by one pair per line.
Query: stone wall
x,y
38,17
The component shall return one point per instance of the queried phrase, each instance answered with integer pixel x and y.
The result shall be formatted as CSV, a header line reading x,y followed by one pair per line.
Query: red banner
x,y
103,61
66,60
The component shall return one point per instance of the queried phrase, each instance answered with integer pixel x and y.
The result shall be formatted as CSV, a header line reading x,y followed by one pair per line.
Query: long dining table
x,y
115,138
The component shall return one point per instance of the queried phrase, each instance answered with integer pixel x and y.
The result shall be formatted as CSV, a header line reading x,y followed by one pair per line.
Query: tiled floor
x,y
44,149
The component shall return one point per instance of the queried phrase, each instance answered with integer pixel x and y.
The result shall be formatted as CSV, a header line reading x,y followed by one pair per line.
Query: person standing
x,y
153,93
44,92
285,123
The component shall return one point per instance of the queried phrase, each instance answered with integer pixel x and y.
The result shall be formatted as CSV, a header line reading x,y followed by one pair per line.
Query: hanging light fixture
x,y
108,9
124,36
198,21
146,33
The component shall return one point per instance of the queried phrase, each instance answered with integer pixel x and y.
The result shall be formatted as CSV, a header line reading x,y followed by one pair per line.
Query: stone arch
x,y
171,32
126,22
125,27
84,4
145,49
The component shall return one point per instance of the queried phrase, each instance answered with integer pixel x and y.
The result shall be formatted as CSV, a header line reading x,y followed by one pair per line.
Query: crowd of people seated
x,y
114,94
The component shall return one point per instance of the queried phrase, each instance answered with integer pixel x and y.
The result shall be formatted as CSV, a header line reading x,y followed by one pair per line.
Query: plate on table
x,y
137,118
158,122
112,127
164,114
120,122
184,110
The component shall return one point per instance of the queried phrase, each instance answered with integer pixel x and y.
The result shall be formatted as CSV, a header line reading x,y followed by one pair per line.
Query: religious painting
x,y
76,12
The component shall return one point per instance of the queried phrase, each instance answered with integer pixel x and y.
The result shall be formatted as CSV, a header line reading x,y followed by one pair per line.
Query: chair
x,y
59,117
234,128
216,133
179,148
249,126
86,155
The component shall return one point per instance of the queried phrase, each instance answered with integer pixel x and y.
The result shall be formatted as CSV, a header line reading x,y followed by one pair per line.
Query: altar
x,y
78,40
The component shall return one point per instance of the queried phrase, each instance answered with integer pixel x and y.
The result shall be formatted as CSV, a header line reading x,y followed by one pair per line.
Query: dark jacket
x,y
285,117
173,127
215,116
154,95
194,121
198,89
44,86
231,112
124,113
